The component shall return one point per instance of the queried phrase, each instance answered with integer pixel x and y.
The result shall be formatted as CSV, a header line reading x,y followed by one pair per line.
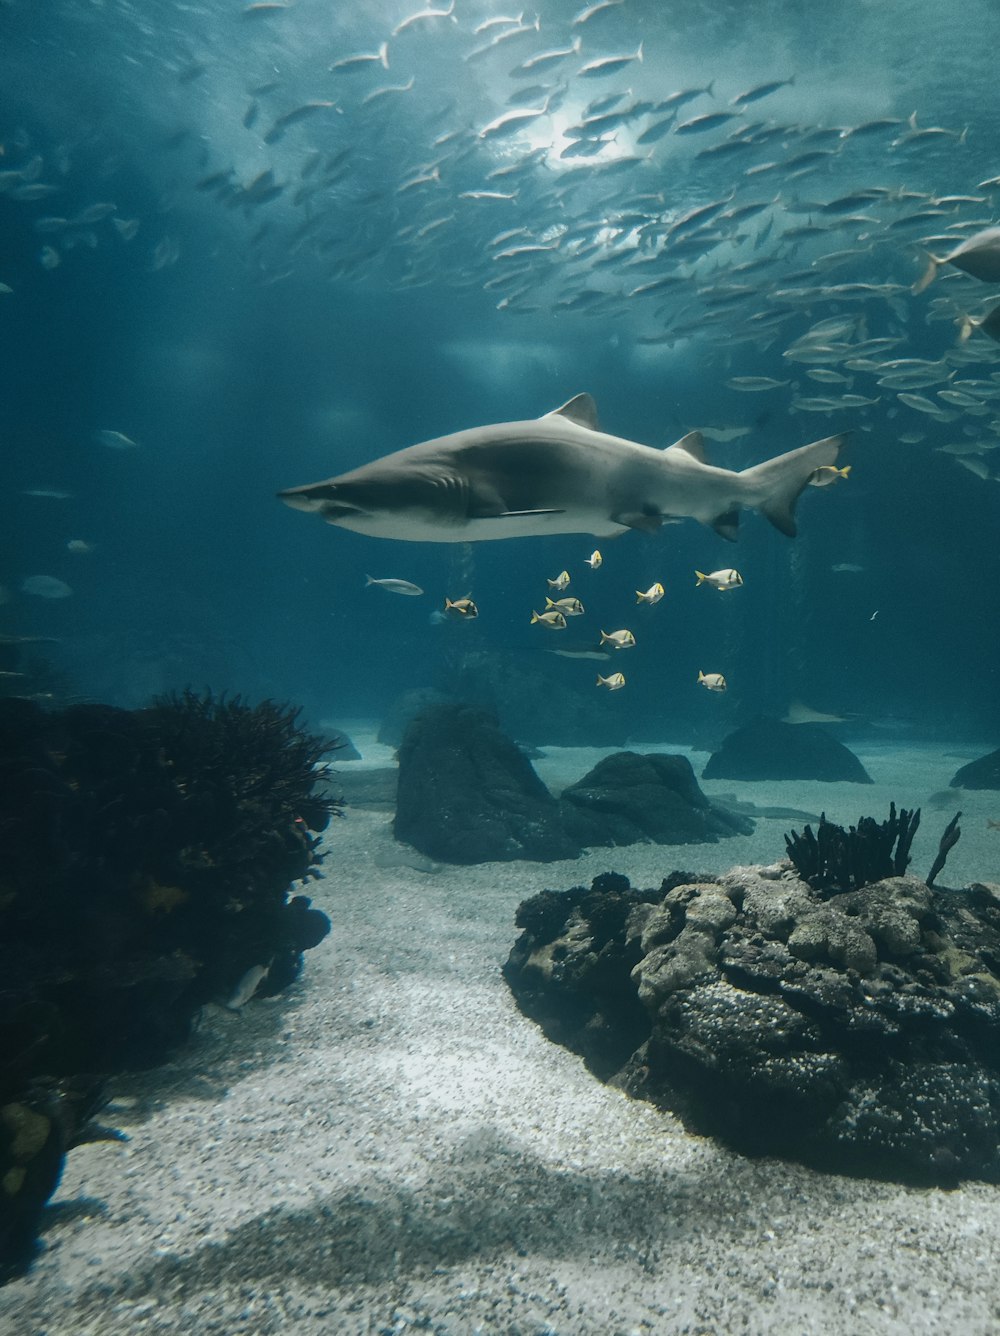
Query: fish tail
x,y
534,618
701,578
928,276
774,486
965,328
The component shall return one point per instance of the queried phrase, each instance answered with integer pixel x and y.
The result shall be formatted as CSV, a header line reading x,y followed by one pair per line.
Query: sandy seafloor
x,y
390,1146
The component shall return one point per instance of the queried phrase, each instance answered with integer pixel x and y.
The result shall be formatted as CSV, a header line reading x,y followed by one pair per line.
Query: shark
x,y
556,474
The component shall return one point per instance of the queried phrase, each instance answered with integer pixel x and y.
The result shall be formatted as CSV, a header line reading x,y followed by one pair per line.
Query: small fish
x,y
581,652
585,15
423,15
847,568
569,607
561,581
115,440
652,595
978,255
921,404
827,474
712,681
546,58
721,580
618,639
594,560
510,122
605,65
49,257
755,384
395,586
613,682
553,619
462,609
992,825
499,20
51,493
761,90
246,987
5,288
351,64
126,227
80,546
45,586
699,124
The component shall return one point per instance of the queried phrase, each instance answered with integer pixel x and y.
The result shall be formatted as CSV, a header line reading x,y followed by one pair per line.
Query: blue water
x,y
248,346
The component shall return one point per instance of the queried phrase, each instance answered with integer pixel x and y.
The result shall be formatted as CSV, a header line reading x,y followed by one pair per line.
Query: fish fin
x,y
777,483
692,444
581,409
727,525
648,521
513,514
928,276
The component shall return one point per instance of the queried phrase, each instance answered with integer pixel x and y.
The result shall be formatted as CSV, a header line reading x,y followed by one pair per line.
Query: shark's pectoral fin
x,y
728,525
581,409
649,521
508,514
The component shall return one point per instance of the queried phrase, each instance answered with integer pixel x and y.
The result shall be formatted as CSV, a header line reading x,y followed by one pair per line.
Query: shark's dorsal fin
x,y
581,409
692,444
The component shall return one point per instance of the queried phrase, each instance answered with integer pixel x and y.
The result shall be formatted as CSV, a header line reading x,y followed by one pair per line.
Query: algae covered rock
x,y
858,1033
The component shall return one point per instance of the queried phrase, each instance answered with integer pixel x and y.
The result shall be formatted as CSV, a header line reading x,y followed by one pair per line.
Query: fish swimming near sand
x,y
551,475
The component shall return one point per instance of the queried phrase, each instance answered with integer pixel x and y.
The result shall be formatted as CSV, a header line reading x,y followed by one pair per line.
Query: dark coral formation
x,y
859,1034
771,749
145,861
835,859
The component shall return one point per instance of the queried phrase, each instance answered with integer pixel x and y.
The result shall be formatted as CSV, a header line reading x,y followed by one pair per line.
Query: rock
x,y
467,794
628,798
981,774
858,1033
406,707
769,749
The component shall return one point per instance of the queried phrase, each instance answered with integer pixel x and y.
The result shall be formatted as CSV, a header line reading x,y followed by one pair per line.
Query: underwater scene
x,y
499,706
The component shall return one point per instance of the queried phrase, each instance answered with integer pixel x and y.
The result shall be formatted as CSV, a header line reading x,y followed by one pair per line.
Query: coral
x,y
949,839
834,860
146,862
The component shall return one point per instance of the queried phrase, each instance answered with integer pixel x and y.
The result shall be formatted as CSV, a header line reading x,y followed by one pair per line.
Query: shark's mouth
x,y
322,499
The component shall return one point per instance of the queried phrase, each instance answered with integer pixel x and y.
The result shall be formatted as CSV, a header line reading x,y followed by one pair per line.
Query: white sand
x,y
391,1145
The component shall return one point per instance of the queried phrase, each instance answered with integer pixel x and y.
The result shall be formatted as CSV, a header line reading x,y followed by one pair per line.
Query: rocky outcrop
x,y
769,749
628,798
858,1033
468,794
981,774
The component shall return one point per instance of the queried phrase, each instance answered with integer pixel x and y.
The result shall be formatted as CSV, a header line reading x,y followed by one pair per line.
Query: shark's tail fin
x,y
774,486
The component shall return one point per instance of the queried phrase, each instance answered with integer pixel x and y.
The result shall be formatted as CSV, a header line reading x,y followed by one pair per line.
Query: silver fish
x,y
395,586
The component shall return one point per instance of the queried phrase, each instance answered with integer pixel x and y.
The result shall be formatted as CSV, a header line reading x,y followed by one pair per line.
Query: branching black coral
x,y
835,860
